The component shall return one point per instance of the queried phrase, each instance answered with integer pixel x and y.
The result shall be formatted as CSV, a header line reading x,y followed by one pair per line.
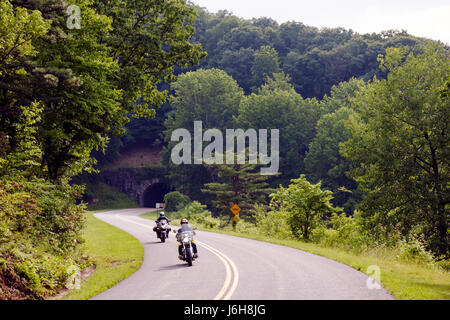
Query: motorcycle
x,y
162,230
186,239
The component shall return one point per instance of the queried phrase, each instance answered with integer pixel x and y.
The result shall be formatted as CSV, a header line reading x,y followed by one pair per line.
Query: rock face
x,y
133,182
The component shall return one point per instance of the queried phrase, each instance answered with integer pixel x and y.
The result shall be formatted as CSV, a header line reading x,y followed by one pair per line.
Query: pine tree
x,y
239,184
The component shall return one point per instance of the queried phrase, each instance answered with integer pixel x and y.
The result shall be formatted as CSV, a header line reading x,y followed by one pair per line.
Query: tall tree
x,y
265,64
210,96
148,39
400,145
88,80
237,184
324,161
278,106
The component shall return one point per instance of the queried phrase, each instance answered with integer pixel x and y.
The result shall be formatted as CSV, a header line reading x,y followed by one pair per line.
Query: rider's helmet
x,y
161,214
184,221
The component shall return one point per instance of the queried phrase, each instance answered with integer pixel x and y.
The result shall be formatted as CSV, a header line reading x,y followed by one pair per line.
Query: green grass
x,y
103,196
116,254
404,280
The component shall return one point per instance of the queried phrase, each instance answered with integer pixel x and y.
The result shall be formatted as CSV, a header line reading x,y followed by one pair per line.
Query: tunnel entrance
x,y
154,194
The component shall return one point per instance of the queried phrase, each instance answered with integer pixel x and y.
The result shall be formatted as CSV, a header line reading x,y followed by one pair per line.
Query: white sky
x,y
424,18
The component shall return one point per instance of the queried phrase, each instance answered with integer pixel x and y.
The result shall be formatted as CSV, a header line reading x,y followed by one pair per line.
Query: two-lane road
x,y
231,268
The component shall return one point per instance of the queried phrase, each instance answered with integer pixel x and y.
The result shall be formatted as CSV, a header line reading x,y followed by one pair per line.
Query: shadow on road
x,y
154,242
173,267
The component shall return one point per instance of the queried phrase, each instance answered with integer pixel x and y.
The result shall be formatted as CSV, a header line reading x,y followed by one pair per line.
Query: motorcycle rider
x,y
185,227
162,216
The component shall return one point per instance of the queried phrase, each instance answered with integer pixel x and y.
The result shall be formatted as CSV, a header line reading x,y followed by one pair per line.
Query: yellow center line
x,y
231,271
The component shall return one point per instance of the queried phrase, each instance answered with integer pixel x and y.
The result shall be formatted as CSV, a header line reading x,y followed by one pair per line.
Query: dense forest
x,y
321,69
363,120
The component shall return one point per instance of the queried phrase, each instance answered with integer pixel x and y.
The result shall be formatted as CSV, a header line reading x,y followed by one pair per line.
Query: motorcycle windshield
x,y
188,234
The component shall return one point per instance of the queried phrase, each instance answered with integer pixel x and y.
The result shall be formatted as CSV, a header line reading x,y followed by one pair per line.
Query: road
x,y
231,268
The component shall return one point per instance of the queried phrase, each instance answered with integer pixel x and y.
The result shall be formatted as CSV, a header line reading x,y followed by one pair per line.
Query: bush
x,y
196,213
413,250
345,232
271,223
175,201
40,237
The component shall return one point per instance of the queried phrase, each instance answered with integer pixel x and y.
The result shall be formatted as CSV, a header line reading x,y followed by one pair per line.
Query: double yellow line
x,y
232,274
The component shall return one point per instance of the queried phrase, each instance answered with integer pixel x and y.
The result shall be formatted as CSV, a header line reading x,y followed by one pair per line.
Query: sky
x,y
423,18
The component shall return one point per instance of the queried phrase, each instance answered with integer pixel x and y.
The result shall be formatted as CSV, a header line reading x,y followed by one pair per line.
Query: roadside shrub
x,y
271,223
40,237
175,201
414,250
345,232
61,220
197,213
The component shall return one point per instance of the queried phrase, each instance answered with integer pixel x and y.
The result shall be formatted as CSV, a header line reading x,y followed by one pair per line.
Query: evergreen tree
x,y
237,184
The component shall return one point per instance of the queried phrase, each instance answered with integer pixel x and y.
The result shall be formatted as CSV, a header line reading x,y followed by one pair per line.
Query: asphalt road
x,y
231,268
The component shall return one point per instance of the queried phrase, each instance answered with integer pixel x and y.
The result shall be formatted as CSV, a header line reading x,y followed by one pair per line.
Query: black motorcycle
x,y
186,239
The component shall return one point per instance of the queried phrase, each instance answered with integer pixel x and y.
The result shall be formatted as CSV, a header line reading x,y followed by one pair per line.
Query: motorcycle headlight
x,y
186,240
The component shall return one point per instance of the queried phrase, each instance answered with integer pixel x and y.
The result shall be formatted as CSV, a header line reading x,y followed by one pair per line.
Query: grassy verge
x,y
116,254
404,280
101,196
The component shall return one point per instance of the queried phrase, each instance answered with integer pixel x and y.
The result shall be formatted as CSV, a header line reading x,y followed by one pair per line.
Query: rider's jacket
x,y
162,218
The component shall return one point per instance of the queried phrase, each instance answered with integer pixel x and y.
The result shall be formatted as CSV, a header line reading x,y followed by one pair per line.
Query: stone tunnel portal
x,y
154,194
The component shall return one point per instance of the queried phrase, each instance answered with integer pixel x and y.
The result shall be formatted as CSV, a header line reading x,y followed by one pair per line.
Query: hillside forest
x,y
363,120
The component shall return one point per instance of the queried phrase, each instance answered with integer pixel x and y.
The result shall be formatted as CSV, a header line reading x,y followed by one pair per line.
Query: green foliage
x,y
305,204
265,64
324,162
39,238
102,196
149,38
197,213
237,184
295,118
271,223
210,96
18,29
316,59
175,201
399,145
414,249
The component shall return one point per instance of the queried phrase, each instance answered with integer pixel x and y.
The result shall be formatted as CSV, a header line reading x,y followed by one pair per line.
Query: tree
x,y
88,80
305,204
324,162
210,96
265,64
237,184
400,145
148,39
295,118
19,28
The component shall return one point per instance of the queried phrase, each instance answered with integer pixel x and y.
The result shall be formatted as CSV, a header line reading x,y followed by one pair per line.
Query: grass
x,y
404,280
103,196
116,254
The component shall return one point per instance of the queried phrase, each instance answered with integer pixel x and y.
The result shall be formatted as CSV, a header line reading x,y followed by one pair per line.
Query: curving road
x,y
231,268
